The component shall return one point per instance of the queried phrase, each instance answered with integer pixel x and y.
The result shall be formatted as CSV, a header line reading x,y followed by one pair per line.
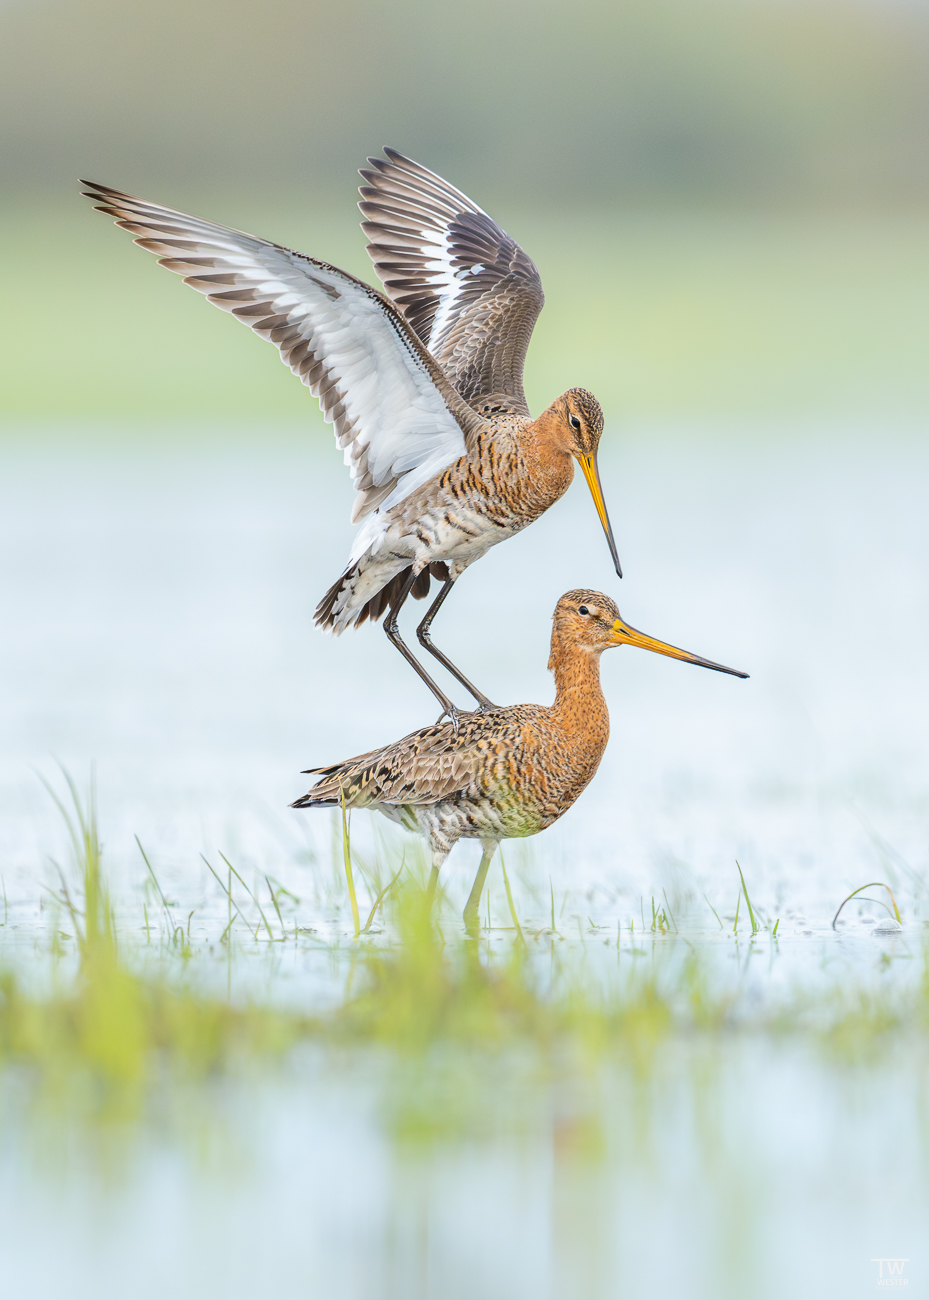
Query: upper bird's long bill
x,y
592,474
626,635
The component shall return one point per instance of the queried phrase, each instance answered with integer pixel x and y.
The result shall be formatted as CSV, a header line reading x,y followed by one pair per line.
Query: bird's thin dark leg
x,y
474,898
425,640
390,627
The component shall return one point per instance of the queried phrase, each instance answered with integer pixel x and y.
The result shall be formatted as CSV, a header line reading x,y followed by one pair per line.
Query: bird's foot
x,y
487,706
472,923
453,715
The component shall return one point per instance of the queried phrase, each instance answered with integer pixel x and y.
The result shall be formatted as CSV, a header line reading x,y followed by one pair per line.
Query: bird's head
x,y
590,622
581,419
574,423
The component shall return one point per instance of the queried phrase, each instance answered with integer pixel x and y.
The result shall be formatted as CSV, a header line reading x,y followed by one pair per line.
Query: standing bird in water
x,y
507,772
424,386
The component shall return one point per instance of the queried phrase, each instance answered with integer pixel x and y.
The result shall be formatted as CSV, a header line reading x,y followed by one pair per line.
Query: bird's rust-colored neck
x,y
575,669
546,466
579,706
552,432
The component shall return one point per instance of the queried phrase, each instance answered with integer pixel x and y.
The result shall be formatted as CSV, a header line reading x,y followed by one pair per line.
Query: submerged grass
x,y
117,1026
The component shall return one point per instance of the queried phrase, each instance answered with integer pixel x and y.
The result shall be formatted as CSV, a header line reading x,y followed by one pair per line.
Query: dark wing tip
x,y
105,197
307,801
379,164
99,190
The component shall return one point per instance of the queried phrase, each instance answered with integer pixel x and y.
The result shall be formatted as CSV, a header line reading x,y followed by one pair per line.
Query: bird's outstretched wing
x,y
468,290
396,415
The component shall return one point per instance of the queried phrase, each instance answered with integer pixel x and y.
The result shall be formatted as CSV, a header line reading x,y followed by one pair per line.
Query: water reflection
x,y
730,1174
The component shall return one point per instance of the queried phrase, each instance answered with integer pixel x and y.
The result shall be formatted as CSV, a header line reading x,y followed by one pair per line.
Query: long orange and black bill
x,y
626,635
592,474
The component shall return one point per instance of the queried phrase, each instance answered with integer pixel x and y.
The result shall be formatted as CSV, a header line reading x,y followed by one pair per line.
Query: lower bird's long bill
x,y
592,474
626,635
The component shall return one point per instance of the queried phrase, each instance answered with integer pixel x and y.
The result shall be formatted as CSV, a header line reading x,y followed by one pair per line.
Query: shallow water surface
x,y
158,602
158,599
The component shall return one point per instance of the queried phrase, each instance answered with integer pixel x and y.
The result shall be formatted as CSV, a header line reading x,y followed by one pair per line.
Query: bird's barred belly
x,y
476,818
461,534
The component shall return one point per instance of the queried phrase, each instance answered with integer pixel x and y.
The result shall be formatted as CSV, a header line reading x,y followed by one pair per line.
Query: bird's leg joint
x,y
453,716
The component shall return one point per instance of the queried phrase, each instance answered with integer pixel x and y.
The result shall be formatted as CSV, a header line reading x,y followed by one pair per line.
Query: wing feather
x,y
428,766
466,288
396,416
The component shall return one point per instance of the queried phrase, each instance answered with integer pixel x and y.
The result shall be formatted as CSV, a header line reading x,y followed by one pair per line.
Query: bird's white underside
x,y
395,426
396,418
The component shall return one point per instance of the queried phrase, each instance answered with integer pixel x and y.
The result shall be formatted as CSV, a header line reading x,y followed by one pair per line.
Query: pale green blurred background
x,y
728,202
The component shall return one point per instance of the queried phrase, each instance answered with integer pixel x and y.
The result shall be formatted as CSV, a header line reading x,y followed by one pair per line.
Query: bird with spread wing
x,y
423,384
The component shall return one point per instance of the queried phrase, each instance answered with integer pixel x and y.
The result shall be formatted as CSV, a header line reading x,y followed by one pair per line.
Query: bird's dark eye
x,y
575,423
582,609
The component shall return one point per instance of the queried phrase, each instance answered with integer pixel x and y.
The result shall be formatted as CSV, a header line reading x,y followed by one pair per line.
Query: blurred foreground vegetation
x,y
100,1032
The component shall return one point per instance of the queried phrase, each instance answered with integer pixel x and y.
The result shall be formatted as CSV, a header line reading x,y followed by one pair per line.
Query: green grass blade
x,y
668,909
509,899
714,911
251,896
347,858
275,904
748,901
874,884
232,903
381,896
157,883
